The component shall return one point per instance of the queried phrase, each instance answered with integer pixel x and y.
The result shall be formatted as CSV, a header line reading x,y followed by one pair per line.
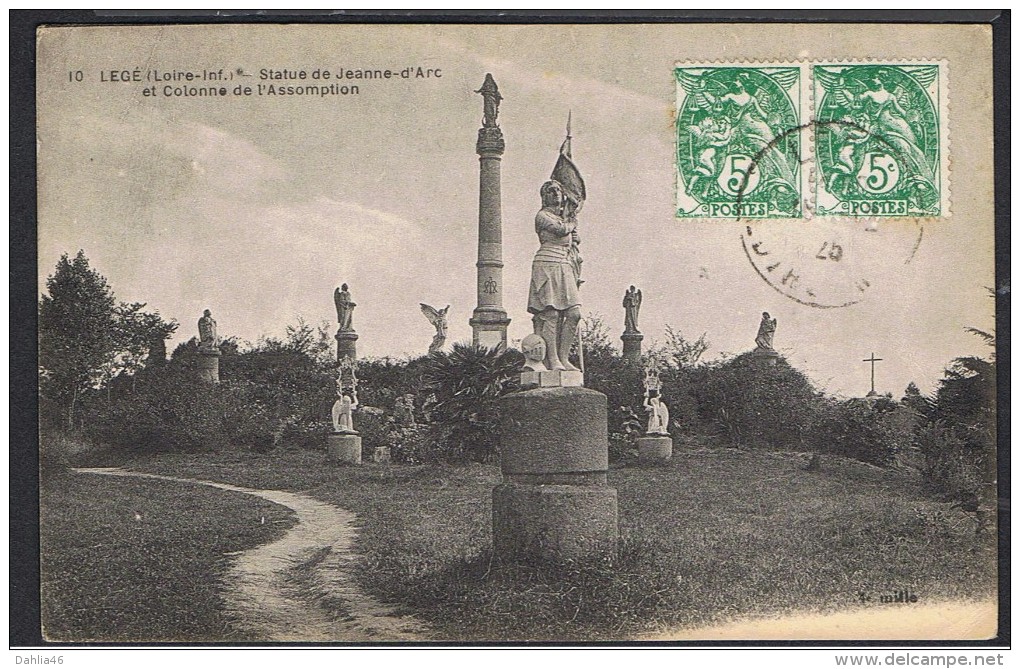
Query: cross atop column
x,y
872,360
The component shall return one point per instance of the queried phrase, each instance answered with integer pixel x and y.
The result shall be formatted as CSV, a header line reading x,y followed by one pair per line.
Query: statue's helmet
x,y
207,313
343,286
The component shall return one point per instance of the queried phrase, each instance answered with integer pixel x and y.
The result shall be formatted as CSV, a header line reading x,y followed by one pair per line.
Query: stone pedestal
x,y
655,449
209,365
346,345
554,504
344,448
766,356
632,346
381,454
548,378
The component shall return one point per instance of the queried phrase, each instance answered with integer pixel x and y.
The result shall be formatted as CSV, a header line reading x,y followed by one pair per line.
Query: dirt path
x,y
300,588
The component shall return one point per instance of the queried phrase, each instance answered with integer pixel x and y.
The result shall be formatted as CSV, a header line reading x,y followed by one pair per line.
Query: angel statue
x,y
658,413
207,337
343,408
344,308
438,320
631,307
737,111
766,332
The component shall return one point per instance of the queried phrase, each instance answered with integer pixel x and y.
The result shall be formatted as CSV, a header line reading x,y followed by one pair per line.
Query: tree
x,y
915,401
85,337
76,322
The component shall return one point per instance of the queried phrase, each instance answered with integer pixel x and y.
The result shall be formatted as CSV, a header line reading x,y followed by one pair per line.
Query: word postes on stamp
x,y
739,152
878,140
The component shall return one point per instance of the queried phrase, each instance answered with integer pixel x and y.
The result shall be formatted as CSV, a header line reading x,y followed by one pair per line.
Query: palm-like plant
x,y
468,383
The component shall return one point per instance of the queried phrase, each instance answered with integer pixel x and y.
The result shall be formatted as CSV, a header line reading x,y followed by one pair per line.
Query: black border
x,y
25,627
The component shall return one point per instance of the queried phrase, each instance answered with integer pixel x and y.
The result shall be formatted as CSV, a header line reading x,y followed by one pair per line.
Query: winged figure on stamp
x,y
891,116
741,112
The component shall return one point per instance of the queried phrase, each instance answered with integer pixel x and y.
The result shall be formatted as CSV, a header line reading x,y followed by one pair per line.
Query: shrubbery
x,y
756,404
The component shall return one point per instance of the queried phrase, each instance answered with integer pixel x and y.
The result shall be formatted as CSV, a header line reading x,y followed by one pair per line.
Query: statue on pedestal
x,y
553,298
437,317
658,413
631,307
207,337
344,308
347,398
766,333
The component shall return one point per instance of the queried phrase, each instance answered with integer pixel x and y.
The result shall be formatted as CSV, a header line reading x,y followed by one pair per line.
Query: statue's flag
x,y
567,174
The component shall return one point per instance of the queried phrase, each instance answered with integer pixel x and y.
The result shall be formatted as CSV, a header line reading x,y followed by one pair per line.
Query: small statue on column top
x,y
344,308
207,337
631,307
766,332
490,93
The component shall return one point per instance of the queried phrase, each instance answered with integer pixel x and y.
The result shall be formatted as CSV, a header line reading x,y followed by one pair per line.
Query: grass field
x,y
716,534
138,560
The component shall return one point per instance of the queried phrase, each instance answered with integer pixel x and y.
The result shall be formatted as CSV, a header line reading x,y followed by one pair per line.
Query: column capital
x,y
490,142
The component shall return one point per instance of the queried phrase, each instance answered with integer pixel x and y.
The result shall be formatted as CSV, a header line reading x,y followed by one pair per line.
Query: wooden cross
x,y
872,360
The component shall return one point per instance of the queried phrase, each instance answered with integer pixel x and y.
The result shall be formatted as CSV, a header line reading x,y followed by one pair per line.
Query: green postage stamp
x,y
879,144
739,145
810,139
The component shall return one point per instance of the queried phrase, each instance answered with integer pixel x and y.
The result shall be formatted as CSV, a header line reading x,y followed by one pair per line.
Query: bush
x,y
467,383
950,469
873,431
755,403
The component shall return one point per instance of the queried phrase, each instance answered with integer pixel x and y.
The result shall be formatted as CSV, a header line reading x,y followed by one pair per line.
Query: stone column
x,y
489,320
346,345
209,364
554,503
632,346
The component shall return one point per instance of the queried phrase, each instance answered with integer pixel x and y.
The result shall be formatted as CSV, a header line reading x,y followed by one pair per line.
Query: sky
x,y
258,207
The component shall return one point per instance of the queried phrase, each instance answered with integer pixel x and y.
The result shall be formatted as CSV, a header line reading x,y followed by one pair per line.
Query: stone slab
x,y
534,524
552,431
552,378
655,449
343,448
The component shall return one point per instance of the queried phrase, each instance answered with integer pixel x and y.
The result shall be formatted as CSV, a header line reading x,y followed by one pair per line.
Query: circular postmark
x,y
832,261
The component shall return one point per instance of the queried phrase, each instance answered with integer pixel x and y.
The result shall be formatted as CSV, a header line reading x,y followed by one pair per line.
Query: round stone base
x,y
381,454
655,450
209,367
553,431
554,523
343,448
